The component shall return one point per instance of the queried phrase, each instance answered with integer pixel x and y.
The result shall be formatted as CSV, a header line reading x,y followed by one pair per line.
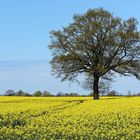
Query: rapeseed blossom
x,y
49,118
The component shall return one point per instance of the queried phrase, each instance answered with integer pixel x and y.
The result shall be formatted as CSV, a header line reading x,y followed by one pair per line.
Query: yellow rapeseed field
x,y
70,118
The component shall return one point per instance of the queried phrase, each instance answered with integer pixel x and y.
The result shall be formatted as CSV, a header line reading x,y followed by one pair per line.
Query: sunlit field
x,y
37,118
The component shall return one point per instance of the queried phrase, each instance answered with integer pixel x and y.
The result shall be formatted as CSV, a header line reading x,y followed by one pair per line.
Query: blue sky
x,y
24,37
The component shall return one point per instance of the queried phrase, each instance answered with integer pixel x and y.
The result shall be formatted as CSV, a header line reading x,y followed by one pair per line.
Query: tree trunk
x,y
96,88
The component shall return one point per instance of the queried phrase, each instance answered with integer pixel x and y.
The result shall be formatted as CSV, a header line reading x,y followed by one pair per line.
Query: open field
x,y
37,118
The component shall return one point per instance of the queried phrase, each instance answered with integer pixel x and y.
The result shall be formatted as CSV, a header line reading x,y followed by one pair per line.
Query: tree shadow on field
x,y
110,98
75,101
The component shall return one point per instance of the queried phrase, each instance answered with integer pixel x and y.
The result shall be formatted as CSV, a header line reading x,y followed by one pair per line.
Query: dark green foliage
x,y
113,93
37,93
10,92
21,93
46,93
67,94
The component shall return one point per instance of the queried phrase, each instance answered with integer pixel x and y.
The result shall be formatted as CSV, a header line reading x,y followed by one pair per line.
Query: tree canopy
x,y
98,44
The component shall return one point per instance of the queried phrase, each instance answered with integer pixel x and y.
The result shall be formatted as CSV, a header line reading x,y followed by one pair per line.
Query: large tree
x,y
97,43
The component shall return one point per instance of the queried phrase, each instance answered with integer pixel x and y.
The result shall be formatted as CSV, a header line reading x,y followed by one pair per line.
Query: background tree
x,y
22,93
113,93
19,93
96,44
10,92
46,93
60,94
37,93
129,93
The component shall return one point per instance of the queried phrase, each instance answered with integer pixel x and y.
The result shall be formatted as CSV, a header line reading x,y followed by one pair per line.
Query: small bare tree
x,y
104,85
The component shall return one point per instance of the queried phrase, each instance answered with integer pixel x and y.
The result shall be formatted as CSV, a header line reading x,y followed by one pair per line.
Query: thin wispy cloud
x,y
32,75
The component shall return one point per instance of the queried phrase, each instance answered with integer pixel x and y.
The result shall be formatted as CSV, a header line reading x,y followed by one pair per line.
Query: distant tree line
x,y
46,93
37,93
